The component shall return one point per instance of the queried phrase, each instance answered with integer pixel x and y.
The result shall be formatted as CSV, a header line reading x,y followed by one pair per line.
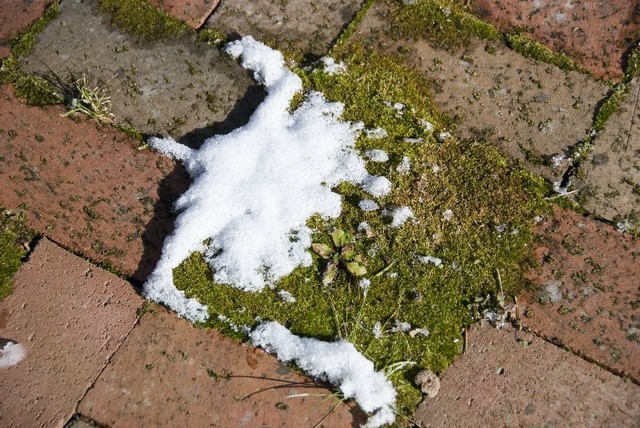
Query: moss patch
x,y
491,202
35,89
526,46
14,234
139,18
443,23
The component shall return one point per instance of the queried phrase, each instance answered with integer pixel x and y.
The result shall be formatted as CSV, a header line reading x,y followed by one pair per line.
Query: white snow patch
x,y
11,354
400,326
376,133
399,215
368,205
430,259
376,155
254,188
364,283
447,215
286,296
331,67
413,140
405,165
338,363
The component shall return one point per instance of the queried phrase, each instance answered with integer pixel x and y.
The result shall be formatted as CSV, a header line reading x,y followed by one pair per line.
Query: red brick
x,y
170,373
586,291
71,317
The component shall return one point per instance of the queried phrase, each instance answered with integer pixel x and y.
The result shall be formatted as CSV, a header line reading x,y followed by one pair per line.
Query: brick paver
x,y
193,12
15,17
170,373
586,291
86,187
504,381
597,34
71,317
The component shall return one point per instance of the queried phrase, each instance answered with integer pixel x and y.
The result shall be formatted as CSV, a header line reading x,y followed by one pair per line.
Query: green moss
x,y
353,25
533,49
492,201
139,18
36,90
23,44
442,22
212,37
13,235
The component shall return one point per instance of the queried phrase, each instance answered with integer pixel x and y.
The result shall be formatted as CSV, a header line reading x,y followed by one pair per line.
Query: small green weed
x,y
88,100
341,253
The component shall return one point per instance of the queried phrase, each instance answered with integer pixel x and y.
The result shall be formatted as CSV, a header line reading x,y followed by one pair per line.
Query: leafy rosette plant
x,y
341,253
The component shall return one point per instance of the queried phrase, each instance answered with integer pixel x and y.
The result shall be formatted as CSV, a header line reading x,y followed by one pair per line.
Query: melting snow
x,y
399,215
331,67
254,188
376,155
11,354
338,363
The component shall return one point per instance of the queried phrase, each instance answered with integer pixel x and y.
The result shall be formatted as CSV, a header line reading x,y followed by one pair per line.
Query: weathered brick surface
x,y
501,381
86,187
193,12
170,373
71,317
586,291
15,17
596,34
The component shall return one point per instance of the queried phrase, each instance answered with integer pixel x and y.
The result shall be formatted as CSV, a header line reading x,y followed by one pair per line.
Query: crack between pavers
x,y
618,373
104,367
633,115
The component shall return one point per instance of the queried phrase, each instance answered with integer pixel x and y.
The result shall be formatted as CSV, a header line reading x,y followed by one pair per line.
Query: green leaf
x,y
323,250
340,238
348,253
356,269
330,273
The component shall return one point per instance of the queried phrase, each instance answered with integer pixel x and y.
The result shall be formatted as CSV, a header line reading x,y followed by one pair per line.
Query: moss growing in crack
x,y
140,18
526,46
443,23
24,43
352,27
14,238
472,210
35,89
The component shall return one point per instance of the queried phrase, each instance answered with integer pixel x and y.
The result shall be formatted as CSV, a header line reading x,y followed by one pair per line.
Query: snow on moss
x,y
255,188
338,363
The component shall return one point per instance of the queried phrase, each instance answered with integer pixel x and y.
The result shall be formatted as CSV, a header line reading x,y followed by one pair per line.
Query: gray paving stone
x,y
71,317
532,110
611,180
304,27
176,87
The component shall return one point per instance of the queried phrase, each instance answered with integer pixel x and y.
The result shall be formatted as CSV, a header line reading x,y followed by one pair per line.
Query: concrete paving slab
x,y
533,111
85,187
586,293
176,87
71,317
500,382
610,181
302,27
193,12
15,17
170,373
596,34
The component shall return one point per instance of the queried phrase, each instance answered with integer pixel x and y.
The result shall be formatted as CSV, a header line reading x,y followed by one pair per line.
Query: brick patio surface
x,y
96,199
